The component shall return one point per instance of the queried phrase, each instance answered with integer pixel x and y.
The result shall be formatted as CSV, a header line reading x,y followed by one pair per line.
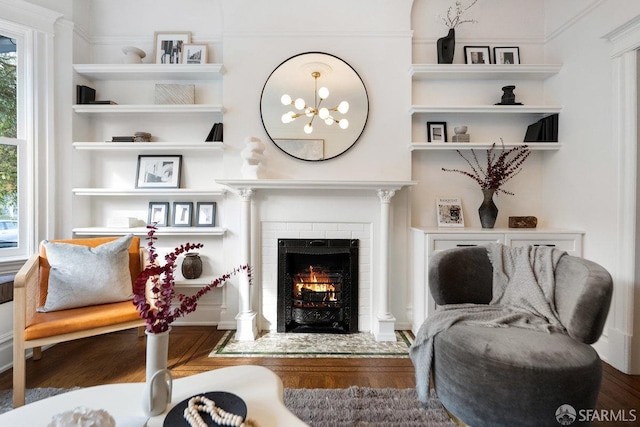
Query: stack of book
x,y
544,130
215,134
122,139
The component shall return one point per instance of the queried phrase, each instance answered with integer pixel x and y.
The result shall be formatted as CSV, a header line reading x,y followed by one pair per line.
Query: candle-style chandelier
x,y
311,112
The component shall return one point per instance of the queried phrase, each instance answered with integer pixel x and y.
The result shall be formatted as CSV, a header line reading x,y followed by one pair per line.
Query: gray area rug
x,y
351,407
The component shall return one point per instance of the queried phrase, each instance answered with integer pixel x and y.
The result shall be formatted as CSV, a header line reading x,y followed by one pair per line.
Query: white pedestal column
x,y
247,329
384,327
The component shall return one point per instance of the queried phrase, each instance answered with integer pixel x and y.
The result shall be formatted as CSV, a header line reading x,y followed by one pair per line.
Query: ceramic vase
x,y
488,210
192,266
159,381
446,47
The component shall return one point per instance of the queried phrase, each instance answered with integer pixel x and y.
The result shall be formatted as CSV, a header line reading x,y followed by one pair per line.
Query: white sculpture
x,y
83,417
252,158
133,55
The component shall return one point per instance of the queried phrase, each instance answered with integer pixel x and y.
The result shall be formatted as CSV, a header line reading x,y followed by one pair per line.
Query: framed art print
x,y
158,171
506,55
477,55
437,131
159,213
206,214
182,214
449,212
194,53
168,46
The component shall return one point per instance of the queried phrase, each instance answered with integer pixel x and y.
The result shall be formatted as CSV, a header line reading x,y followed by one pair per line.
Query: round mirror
x,y
314,106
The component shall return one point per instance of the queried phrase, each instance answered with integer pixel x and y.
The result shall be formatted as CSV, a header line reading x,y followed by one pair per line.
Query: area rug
x,y
350,407
361,406
273,344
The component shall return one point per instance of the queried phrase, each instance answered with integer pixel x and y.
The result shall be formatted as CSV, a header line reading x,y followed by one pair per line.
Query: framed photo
x,y
477,55
159,213
449,212
437,131
506,55
206,214
158,171
194,53
169,45
182,214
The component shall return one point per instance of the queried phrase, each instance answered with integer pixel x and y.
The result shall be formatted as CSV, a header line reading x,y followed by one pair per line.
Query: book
x,y
85,94
215,134
449,211
103,102
123,139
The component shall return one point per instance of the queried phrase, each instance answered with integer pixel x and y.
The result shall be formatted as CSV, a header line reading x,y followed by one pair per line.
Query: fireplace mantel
x,y
384,324
286,184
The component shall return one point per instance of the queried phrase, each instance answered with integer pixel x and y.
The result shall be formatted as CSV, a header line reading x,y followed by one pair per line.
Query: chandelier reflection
x,y
311,112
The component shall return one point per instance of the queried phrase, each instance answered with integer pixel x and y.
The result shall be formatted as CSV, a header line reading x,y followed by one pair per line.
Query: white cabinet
x,y
104,173
465,94
429,240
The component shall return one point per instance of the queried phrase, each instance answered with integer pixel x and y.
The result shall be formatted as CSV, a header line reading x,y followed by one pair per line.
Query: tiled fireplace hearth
x,y
283,209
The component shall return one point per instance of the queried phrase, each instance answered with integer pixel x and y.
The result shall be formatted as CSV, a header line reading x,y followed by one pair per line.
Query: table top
x,y
260,388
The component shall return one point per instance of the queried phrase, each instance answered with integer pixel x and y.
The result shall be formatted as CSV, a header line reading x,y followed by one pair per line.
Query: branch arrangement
x,y
453,20
499,168
158,312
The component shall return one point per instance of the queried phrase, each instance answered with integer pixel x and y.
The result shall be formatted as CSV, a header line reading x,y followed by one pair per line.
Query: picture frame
x,y
193,53
168,46
159,213
477,55
437,131
506,55
206,214
157,171
182,213
449,212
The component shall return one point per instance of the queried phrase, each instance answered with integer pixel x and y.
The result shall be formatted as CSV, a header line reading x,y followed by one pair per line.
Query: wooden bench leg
x,y
141,331
19,374
37,353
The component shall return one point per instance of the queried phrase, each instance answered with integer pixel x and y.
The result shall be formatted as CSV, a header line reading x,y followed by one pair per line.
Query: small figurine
x,y
460,134
508,97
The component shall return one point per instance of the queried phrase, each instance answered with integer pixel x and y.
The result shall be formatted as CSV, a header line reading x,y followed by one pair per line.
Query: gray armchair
x,y
513,376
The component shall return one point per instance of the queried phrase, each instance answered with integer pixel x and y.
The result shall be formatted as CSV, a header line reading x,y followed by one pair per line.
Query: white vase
x,y
159,381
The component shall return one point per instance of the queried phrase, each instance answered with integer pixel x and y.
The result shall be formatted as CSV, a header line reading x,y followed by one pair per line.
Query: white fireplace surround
x,y
315,209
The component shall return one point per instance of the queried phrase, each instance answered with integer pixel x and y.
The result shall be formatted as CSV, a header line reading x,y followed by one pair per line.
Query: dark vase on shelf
x,y
446,46
488,210
192,266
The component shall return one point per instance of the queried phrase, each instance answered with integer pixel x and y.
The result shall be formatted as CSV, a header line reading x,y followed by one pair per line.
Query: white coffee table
x,y
261,389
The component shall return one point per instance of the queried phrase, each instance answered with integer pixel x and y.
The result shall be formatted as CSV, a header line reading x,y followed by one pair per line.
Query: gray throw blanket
x,y
523,296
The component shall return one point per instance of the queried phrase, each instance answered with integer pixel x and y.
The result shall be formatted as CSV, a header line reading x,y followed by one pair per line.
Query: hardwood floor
x,y
119,357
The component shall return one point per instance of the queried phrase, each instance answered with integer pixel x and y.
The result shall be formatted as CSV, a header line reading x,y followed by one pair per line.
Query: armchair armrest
x,y
461,275
25,293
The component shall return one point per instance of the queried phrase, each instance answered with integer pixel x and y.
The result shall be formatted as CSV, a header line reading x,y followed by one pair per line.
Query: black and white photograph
x,y
169,46
506,55
437,131
194,53
206,214
159,213
477,55
182,214
159,171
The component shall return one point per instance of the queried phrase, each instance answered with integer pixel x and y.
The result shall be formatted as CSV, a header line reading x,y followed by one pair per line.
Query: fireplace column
x,y
247,329
384,327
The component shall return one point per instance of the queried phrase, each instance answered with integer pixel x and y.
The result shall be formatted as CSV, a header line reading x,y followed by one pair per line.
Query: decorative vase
x,y
446,46
159,381
488,210
192,266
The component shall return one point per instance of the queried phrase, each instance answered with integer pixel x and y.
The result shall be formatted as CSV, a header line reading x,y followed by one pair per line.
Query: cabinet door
x,y
571,243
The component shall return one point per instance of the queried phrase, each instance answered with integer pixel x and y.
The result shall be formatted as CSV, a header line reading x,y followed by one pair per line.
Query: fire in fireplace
x,y
318,285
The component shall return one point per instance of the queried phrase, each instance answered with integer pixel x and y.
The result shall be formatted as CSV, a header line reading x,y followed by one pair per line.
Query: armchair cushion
x,y
82,276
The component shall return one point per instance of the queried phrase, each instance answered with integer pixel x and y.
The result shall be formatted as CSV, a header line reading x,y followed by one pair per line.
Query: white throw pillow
x,y
82,276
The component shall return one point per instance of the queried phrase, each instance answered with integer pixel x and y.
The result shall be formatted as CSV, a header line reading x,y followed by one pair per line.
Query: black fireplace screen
x,y
318,285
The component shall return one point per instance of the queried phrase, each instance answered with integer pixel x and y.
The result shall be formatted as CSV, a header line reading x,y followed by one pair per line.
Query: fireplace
x,y
317,285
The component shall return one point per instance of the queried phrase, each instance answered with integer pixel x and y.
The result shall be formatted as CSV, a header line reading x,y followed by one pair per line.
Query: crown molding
x,y
318,34
573,21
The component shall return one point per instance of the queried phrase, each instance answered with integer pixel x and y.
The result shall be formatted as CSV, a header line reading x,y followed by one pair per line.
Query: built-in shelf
x,y
143,231
147,108
164,192
483,71
534,146
148,146
150,71
485,109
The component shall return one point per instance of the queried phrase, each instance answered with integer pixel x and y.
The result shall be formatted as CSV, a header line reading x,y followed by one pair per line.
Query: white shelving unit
x,y
477,75
101,191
